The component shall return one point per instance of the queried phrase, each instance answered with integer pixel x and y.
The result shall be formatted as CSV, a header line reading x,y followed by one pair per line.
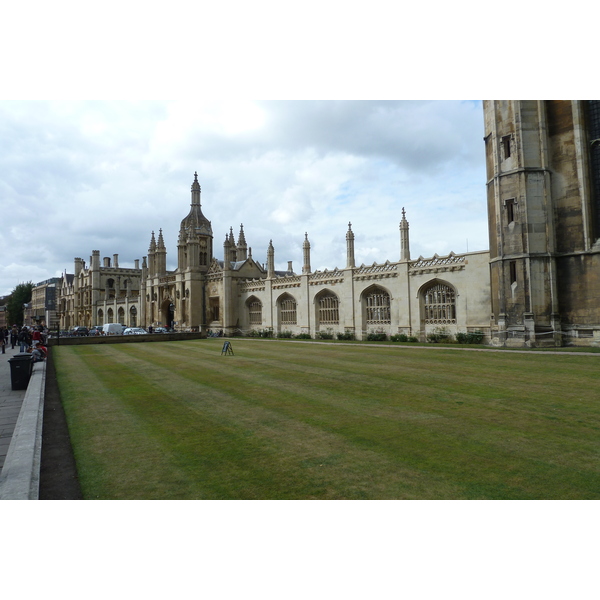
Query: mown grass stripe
x,y
420,425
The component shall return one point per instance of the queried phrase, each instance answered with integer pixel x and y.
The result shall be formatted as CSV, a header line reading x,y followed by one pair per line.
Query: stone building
x,y
538,285
43,303
543,194
99,294
238,293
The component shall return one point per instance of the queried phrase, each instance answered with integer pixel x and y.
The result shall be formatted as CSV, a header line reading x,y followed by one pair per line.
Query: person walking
x,y
3,339
14,333
23,339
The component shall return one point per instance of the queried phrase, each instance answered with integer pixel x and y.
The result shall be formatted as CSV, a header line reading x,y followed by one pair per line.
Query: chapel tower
x,y
195,244
543,194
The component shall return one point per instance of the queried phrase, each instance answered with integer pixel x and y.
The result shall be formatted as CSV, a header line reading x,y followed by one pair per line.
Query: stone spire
x,y
195,219
404,243
270,260
242,248
151,256
306,254
350,264
196,191
233,246
152,247
227,253
161,256
161,242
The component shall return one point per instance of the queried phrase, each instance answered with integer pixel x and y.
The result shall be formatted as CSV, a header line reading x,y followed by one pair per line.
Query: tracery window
x,y
287,311
329,312
378,307
255,312
440,305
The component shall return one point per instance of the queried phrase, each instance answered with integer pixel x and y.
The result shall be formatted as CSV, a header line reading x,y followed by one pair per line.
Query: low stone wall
x,y
124,339
20,478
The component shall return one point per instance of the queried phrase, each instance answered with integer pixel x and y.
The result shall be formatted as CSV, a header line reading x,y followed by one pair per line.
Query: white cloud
x,y
83,176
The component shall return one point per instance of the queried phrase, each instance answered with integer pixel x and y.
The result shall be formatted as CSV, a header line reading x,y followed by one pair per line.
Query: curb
x,y
20,477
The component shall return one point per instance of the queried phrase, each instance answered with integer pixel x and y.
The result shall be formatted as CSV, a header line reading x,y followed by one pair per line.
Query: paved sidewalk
x,y
10,403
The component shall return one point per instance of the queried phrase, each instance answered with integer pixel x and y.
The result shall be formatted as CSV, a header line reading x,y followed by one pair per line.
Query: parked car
x,y
160,330
80,330
112,328
96,330
134,331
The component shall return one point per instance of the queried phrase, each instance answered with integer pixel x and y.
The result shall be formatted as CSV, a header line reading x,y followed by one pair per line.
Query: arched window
x,y
287,311
100,317
133,317
439,305
254,311
110,315
329,309
121,314
377,303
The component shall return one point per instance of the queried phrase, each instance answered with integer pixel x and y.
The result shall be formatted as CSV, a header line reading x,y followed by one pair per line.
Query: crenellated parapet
x,y
287,282
326,277
375,271
438,264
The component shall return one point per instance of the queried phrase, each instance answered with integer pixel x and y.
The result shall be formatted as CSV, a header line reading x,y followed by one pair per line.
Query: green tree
x,y
14,305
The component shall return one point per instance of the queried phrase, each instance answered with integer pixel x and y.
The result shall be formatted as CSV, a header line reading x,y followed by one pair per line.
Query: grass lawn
x,y
285,420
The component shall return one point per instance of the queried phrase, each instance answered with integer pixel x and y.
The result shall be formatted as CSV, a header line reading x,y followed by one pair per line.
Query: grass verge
x,y
281,420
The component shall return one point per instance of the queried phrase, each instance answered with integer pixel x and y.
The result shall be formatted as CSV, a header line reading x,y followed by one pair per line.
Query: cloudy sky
x,y
78,176
95,156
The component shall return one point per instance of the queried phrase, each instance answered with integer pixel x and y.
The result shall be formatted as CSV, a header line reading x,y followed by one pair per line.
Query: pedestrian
x,y
14,333
36,338
3,340
23,339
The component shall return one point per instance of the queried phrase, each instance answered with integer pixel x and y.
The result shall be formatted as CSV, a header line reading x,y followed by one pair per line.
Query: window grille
x,y
440,305
329,312
378,308
255,313
288,311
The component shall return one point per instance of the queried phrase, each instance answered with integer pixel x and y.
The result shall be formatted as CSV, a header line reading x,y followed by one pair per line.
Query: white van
x,y
112,329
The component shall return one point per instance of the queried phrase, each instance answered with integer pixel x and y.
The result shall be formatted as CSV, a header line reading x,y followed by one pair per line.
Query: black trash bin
x,y
21,365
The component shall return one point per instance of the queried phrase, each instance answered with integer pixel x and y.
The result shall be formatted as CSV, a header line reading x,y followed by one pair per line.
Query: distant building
x,y
43,303
99,294
3,314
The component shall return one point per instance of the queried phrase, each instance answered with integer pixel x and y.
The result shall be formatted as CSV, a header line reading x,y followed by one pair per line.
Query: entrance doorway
x,y
167,313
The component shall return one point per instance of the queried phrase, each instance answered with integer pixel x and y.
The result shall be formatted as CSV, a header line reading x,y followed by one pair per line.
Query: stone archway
x,y
437,307
327,310
167,313
376,308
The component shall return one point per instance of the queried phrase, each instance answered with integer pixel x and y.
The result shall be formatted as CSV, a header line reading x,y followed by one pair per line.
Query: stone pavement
x,y
10,403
